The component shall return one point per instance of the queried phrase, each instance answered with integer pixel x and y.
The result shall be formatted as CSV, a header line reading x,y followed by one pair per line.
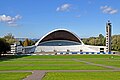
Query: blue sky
x,y
34,18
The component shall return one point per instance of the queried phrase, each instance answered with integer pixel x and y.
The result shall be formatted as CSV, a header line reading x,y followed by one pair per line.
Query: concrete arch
x,y
60,34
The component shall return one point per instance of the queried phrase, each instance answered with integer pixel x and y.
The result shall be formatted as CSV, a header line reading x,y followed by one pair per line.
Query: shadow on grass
x,y
9,57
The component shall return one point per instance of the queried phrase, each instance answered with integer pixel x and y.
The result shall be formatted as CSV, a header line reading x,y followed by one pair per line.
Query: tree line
x,y
27,42
4,46
5,43
9,39
101,41
116,42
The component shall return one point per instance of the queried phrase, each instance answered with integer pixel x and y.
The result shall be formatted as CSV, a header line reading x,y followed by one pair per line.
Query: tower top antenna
x,y
109,22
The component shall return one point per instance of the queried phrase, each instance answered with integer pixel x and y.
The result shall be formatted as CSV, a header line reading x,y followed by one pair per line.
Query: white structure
x,y
16,48
28,49
62,40
108,37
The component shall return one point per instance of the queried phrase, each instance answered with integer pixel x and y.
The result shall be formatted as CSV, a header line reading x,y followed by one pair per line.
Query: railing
x,y
62,53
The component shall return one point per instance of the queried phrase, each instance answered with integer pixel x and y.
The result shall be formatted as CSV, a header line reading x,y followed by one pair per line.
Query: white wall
x,y
74,48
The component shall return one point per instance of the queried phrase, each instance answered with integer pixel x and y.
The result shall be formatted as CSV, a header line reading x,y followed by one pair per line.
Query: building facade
x,y
62,40
16,48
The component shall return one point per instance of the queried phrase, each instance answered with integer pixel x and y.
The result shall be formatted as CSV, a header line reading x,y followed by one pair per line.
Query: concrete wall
x,y
29,49
74,48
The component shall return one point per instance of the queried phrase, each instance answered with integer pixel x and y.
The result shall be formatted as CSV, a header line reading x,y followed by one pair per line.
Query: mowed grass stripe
x,y
110,62
82,76
44,65
40,62
48,62
13,75
59,56
53,67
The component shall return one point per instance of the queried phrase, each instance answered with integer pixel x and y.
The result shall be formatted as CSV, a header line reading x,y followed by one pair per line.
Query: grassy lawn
x,y
82,76
13,75
105,61
57,57
58,67
50,62
61,62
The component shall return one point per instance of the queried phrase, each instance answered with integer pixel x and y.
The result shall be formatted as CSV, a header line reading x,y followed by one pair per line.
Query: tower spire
x,y
108,36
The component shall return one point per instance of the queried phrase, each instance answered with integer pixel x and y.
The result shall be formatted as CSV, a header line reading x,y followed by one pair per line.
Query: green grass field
x,y
105,61
62,62
82,76
54,62
13,75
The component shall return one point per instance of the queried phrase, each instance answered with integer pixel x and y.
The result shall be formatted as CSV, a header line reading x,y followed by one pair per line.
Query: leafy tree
x,y
116,42
9,38
31,42
21,43
26,42
101,41
85,41
101,36
91,41
4,46
97,41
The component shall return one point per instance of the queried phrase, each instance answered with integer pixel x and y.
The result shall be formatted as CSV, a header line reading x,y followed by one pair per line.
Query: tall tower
x,y
108,36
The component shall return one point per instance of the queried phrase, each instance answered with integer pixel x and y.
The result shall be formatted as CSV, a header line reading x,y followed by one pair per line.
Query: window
x,y
58,43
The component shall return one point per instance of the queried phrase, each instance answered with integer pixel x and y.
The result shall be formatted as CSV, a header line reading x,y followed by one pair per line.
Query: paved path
x,y
36,75
39,74
101,65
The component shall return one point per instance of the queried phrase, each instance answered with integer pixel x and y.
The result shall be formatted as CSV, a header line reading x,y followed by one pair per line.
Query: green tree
x,y
21,43
92,41
101,39
116,42
26,42
4,46
97,41
31,42
9,38
101,36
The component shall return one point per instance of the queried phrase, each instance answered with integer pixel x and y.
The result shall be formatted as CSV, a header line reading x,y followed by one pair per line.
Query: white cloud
x,y
113,11
108,10
64,7
11,21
